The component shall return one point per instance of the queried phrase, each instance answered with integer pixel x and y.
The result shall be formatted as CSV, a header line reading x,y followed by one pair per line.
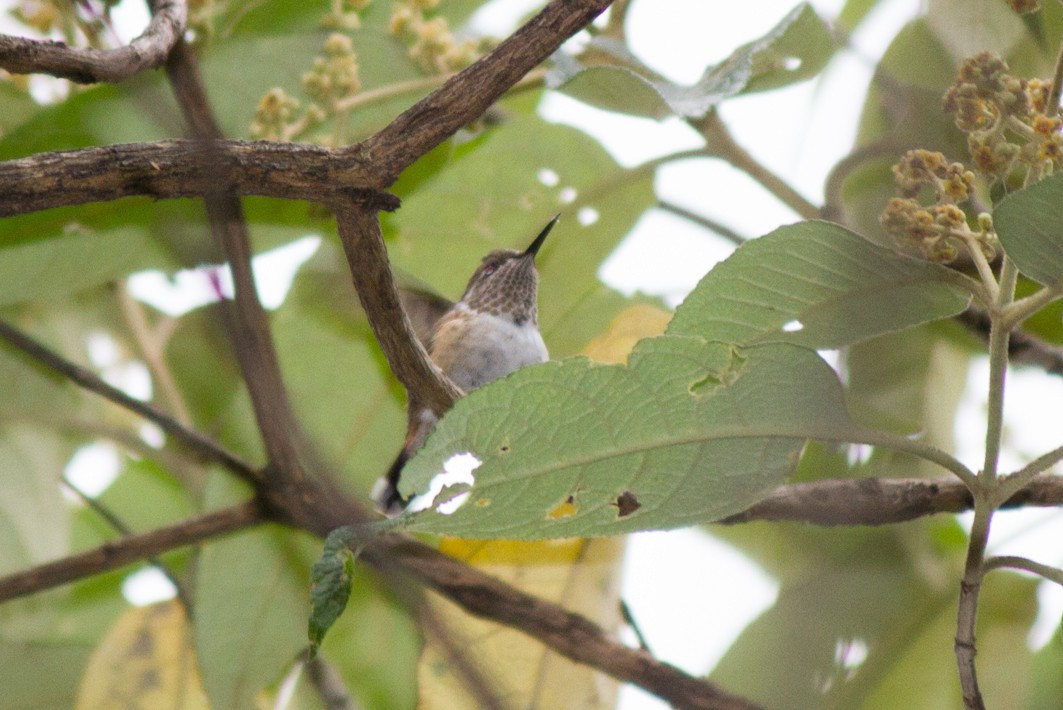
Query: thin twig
x,y
115,522
200,444
703,221
86,66
126,550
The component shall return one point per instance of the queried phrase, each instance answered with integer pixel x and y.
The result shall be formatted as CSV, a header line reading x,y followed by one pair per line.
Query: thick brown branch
x,y
133,548
86,66
882,501
467,95
179,168
198,443
362,242
170,169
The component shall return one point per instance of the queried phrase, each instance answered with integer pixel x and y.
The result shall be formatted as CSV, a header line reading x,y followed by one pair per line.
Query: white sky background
x,y
690,594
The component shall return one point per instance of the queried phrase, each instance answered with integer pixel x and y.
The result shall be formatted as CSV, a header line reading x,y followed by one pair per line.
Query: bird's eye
x,y
490,269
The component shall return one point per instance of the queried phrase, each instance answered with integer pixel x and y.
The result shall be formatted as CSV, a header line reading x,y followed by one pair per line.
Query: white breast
x,y
493,347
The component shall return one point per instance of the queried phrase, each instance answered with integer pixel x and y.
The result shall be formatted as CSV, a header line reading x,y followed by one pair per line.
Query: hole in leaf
x,y
794,326
587,216
791,63
565,509
704,386
627,503
548,177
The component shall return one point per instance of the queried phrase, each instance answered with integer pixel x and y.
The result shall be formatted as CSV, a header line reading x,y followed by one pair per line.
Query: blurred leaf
x,y
56,267
688,432
797,48
854,12
378,674
18,105
251,601
581,574
968,27
146,660
34,520
815,284
1029,223
51,635
908,382
1046,682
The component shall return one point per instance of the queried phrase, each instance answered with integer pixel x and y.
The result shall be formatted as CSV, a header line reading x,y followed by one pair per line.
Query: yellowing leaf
x,y
583,575
145,661
632,325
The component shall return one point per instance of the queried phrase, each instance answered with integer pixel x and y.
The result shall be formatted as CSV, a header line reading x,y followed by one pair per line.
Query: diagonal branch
x,y
360,233
87,66
198,443
467,95
132,548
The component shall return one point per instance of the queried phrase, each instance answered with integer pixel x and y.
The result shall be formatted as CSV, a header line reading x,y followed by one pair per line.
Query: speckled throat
x,y
506,283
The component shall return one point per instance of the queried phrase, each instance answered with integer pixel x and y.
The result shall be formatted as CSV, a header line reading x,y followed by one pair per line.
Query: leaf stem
x,y
1052,574
1012,315
1014,483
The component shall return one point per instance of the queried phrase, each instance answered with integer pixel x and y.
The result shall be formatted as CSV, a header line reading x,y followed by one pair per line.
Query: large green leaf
x,y
1030,226
797,48
689,431
815,284
250,608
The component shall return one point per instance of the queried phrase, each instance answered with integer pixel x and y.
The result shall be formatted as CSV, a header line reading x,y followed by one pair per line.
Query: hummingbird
x,y
490,332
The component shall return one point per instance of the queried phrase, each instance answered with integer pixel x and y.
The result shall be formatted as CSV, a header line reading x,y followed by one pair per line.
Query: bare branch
x,y
200,444
882,501
133,548
360,233
169,169
181,168
87,66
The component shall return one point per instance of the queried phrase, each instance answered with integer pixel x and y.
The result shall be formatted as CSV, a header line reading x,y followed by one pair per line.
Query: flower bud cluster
x,y
432,45
344,15
333,78
939,228
1005,118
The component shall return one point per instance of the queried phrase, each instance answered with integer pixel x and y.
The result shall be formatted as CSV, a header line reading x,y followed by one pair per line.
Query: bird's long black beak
x,y
534,248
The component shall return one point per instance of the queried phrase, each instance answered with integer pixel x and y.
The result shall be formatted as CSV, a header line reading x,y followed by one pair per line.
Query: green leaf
x,y
797,48
250,599
1030,226
330,585
815,284
689,431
